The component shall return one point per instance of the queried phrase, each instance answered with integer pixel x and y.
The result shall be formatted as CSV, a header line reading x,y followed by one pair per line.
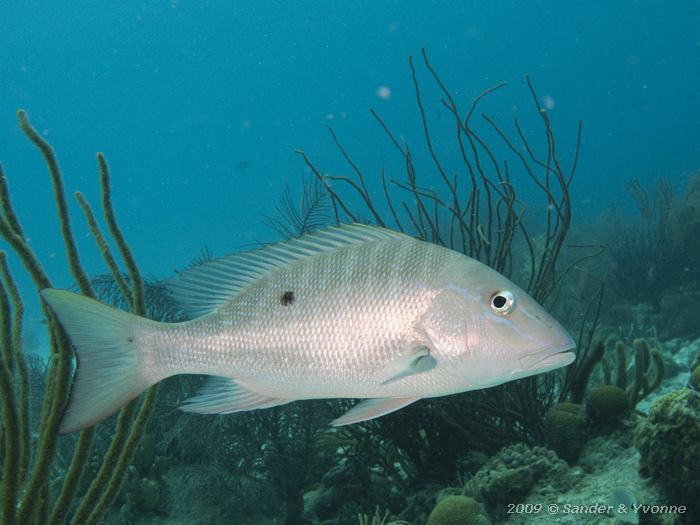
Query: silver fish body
x,y
355,311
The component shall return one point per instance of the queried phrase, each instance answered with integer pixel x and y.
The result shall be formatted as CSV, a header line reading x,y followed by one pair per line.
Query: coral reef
x,y
566,430
378,519
509,476
669,445
648,371
694,381
684,219
642,252
42,474
50,480
607,404
607,464
338,497
577,389
284,465
476,209
458,510
654,259
144,491
346,490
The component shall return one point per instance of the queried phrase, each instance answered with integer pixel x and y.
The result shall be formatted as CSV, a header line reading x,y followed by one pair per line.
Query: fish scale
x,y
317,332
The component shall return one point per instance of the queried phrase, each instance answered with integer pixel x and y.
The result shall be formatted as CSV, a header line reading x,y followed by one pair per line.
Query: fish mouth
x,y
550,358
556,360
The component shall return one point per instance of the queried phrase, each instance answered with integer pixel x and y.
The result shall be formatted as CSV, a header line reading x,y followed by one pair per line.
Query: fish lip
x,y
556,359
550,356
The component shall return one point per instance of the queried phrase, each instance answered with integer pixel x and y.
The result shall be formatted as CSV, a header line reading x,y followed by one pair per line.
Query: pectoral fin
x,y
372,408
414,361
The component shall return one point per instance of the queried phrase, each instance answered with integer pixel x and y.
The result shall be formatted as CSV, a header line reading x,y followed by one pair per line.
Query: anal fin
x,y
223,395
372,408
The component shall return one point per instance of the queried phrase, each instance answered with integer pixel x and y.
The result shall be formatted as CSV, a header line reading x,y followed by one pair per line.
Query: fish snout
x,y
556,352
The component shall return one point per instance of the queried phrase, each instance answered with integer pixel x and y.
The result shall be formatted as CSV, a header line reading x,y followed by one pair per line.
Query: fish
x,y
354,311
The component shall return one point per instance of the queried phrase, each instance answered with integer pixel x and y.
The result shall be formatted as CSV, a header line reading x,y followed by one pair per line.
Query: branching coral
x,y
684,219
478,212
28,496
473,207
658,251
311,211
648,366
649,370
378,519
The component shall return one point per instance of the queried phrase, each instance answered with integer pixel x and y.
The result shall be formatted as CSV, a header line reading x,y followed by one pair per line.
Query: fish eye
x,y
503,302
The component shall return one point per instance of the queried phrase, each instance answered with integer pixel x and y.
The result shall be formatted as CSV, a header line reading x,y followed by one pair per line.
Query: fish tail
x,y
111,362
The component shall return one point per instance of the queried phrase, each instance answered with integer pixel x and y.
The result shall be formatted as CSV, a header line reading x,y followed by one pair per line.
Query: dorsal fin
x,y
204,288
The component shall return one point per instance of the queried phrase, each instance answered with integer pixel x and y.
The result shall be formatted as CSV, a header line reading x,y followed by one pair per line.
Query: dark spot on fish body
x,y
129,338
287,298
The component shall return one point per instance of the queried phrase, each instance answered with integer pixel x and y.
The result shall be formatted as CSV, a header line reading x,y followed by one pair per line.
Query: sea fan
x,y
311,212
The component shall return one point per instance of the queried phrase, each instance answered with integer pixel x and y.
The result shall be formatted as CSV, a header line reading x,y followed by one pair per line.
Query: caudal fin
x,y
110,368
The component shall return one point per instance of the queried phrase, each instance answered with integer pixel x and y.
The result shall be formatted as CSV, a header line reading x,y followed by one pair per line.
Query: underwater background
x,y
201,109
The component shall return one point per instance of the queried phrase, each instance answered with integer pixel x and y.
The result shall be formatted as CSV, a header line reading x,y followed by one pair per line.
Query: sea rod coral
x,y
35,488
466,194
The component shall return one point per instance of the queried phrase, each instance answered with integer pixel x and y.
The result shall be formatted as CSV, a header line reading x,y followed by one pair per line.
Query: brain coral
x,y
669,445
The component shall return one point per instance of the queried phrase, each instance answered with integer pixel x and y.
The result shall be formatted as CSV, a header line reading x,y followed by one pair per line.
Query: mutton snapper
x,y
356,312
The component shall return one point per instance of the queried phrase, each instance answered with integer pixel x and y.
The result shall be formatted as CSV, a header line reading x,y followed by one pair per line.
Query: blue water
x,y
176,93
200,106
